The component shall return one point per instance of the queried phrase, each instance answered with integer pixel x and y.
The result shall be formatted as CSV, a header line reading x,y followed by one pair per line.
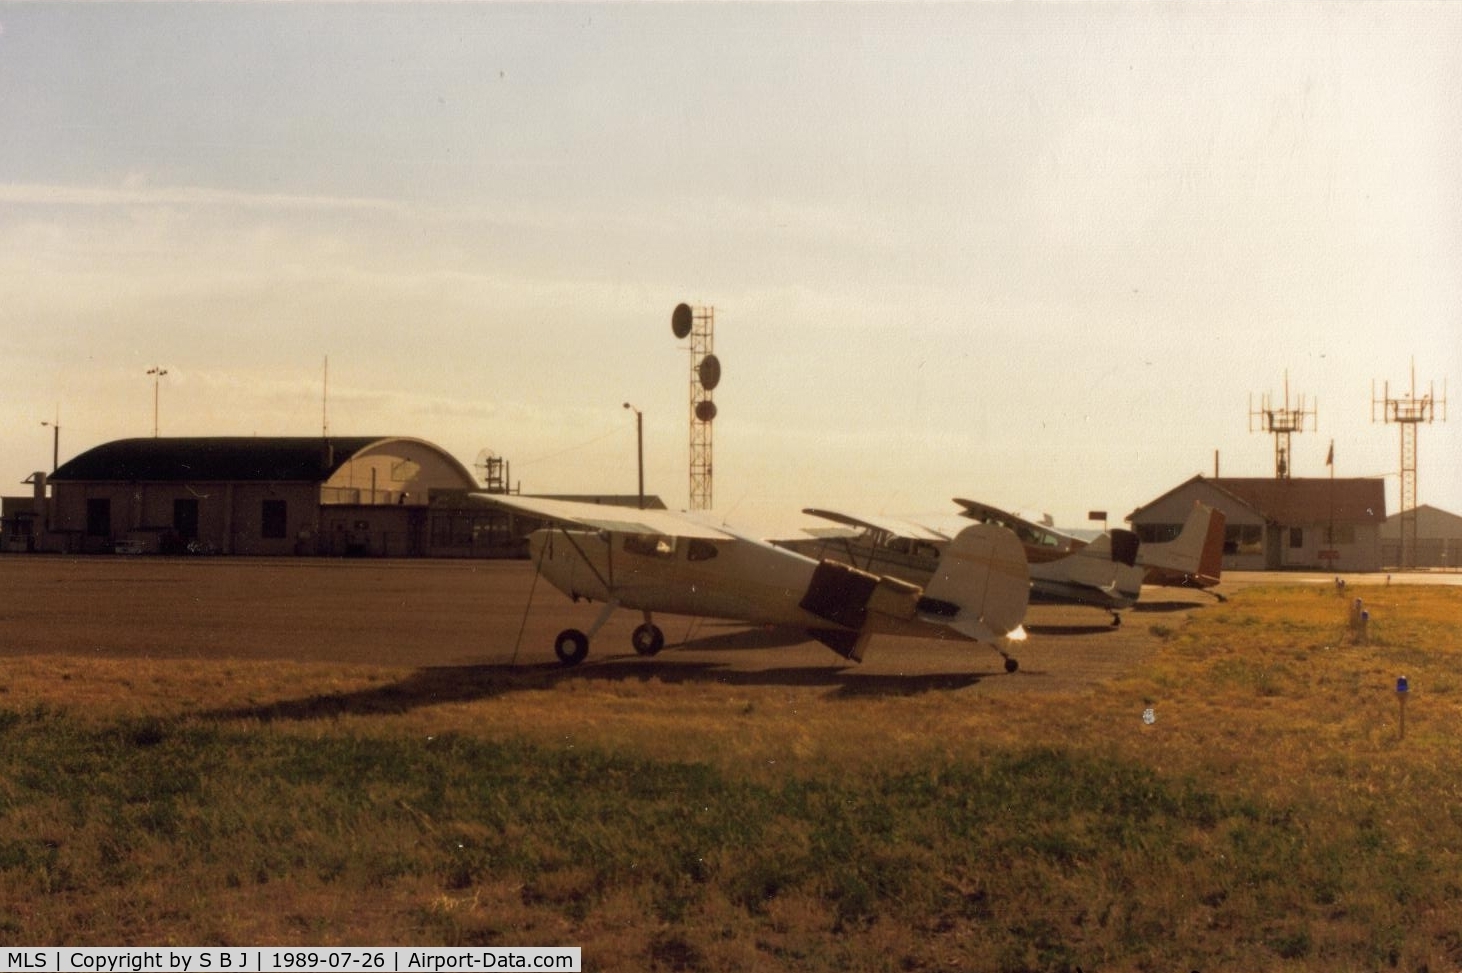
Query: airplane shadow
x,y
1061,631
740,639
1163,607
840,679
438,685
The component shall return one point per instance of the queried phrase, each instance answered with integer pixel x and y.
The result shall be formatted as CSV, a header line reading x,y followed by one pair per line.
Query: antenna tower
x,y
1408,412
325,402
494,471
699,325
1281,423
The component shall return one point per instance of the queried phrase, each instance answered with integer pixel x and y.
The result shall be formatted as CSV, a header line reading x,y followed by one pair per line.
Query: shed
x,y
1438,539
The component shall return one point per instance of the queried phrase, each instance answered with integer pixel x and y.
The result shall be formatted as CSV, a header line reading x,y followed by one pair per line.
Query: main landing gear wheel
x,y
648,639
571,646
1116,620
1011,665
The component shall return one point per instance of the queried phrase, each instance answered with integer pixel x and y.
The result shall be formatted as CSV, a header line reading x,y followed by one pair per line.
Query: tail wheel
x,y
571,646
1011,665
648,639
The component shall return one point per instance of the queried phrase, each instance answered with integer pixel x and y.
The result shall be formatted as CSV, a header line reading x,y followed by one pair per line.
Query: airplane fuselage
x,y
1057,576
723,578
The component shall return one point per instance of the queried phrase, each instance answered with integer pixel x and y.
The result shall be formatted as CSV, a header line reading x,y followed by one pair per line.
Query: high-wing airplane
x,y
683,564
1106,572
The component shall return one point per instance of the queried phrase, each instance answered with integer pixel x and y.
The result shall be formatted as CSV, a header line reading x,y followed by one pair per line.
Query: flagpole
x,y
1330,462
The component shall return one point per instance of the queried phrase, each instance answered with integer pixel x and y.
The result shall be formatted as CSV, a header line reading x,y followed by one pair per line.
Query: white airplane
x,y
683,564
1106,572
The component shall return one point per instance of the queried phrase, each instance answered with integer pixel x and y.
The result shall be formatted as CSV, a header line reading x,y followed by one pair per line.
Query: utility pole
x,y
639,448
157,372
55,439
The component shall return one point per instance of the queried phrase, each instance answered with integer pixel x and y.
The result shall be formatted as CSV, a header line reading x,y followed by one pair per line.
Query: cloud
x,y
135,192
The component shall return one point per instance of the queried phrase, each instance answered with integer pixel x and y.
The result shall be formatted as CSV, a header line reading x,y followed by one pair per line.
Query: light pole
x,y
157,372
639,448
55,440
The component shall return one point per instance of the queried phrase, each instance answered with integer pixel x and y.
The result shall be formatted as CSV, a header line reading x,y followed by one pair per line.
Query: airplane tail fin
x,y
1194,558
981,587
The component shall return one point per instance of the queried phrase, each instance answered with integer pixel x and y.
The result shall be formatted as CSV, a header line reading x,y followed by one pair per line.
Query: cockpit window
x,y
699,550
650,545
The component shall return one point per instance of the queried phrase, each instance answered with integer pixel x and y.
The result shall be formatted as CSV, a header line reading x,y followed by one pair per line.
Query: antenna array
x,y
1281,423
1408,411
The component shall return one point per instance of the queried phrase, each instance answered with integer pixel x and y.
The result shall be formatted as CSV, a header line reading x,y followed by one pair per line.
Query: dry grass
x,y
1269,818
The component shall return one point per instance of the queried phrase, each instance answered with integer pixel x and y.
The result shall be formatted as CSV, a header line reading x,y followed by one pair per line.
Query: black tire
x,y
1011,665
648,639
571,646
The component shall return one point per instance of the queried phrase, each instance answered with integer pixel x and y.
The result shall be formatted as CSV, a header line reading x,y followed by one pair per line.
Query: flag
x,y
1330,457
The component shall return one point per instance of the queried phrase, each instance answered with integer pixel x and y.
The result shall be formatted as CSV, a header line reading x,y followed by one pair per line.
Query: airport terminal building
x,y
1278,524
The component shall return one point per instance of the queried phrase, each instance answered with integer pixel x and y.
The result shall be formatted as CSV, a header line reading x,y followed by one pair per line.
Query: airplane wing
x,y
889,525
1031,532
597,516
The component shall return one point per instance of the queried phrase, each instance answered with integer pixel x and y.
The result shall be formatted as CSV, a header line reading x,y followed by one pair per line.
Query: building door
x,y
185,518
99,517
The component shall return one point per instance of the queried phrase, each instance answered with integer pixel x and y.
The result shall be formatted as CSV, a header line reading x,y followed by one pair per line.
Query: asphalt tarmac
x,y
437,613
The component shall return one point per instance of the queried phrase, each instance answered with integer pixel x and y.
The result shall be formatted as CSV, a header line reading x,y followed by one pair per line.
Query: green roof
x,y
215,458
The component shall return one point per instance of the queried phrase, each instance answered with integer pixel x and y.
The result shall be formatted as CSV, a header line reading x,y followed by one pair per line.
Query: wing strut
x,y
532,587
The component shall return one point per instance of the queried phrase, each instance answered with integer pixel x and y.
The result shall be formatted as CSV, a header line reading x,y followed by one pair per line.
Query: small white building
x,y
1274,524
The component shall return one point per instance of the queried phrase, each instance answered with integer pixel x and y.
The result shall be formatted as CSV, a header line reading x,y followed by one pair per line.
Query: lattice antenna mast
x,y
1408,411
699,325
1281,422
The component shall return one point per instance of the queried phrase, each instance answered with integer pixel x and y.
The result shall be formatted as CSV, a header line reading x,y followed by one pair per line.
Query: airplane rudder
x,y
984,572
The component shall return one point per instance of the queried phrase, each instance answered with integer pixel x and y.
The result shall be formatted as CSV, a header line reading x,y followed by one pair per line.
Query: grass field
x,y
1267,815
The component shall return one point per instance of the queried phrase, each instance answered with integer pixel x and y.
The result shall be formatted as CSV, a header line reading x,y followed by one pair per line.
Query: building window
x,y
185,518
275,519
99,517
1158,533
1243,539
1296,538
1341,534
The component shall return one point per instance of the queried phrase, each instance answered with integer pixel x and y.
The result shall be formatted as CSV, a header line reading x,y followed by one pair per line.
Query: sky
x,y
1052,256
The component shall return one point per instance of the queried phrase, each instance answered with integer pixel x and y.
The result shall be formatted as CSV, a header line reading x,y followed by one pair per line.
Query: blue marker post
x,y
1403,689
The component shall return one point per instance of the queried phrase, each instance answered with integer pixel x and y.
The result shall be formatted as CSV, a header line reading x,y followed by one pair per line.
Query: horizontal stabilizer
x,y
840,593
1104,565
847,644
